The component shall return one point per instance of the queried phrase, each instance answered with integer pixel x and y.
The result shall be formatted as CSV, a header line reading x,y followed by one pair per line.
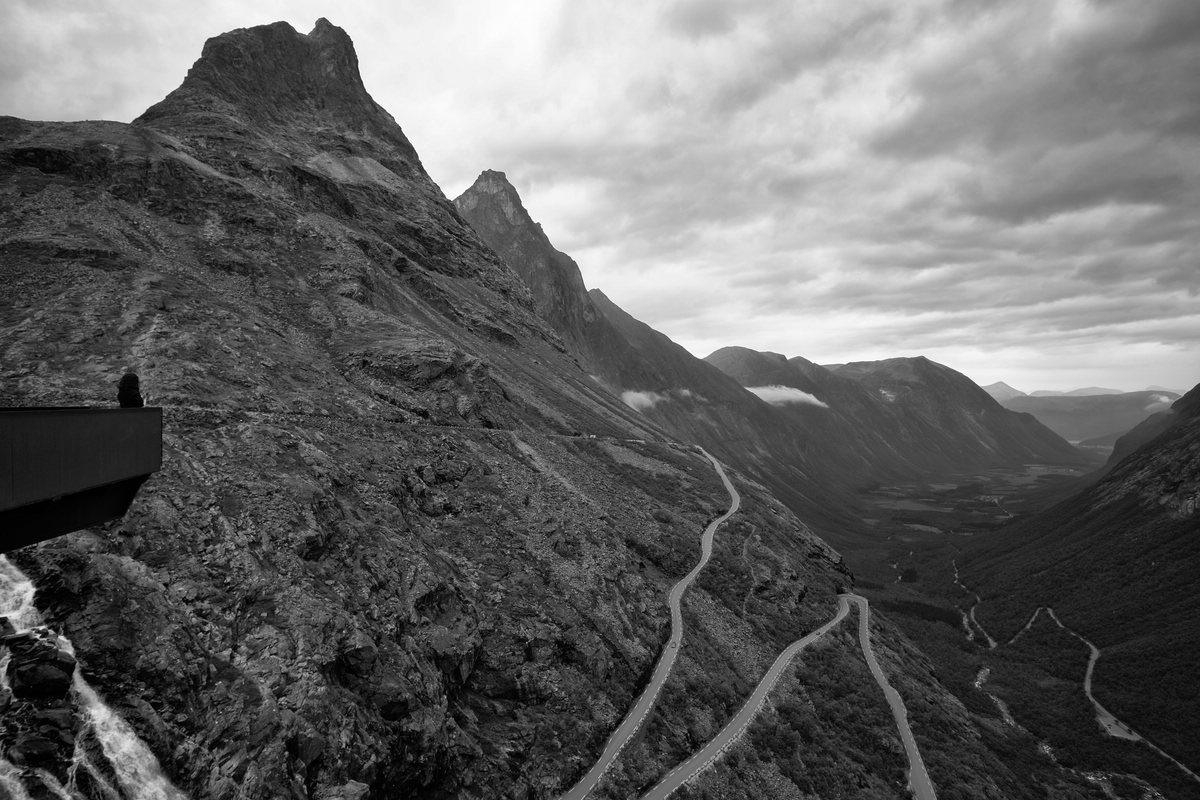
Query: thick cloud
x,y
642,401
1009,187
785,395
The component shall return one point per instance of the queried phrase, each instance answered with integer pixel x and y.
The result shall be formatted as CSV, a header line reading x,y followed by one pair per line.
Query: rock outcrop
x,y
401,544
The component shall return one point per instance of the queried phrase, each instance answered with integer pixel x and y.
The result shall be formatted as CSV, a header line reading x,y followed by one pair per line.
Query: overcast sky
x,y
1011,188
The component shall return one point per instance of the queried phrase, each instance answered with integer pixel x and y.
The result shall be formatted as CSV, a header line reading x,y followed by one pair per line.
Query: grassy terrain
x,y
904,559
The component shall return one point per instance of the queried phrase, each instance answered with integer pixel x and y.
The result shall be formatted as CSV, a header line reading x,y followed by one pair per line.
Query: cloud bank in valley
x,y
783,395
1011,188
643,401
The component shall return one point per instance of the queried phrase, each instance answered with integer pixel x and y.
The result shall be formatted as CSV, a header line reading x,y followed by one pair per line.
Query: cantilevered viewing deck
x,y
62,469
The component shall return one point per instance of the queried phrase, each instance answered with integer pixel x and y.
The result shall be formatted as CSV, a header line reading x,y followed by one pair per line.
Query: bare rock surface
x,y
402,545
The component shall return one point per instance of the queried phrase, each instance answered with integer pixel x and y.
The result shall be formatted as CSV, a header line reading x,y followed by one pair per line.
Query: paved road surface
x,y
666,660
733,730
918,777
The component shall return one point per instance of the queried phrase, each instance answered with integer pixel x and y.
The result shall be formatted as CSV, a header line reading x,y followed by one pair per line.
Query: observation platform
x,y
62,469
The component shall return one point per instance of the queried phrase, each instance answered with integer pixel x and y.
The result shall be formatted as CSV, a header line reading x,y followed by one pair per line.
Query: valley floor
x,y
1037,685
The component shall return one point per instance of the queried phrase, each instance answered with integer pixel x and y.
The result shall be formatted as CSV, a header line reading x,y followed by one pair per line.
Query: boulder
x,y
33,750
44,678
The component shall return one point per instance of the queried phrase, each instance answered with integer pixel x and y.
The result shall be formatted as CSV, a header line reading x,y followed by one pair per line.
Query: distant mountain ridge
x,y
1080,417
1002,391
1087,391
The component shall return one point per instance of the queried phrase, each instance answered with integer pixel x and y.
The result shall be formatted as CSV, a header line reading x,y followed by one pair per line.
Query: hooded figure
x,y
129,394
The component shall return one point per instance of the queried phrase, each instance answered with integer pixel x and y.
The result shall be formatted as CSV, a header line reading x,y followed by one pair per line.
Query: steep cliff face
x,y
381,556
402,545
494,209
270,85
1118,563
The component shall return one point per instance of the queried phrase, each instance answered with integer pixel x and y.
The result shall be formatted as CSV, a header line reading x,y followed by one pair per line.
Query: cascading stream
x,y
991,643
137,772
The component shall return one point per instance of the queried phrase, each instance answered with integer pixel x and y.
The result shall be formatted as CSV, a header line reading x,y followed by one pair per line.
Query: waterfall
x,y
10,781
137,772
135,766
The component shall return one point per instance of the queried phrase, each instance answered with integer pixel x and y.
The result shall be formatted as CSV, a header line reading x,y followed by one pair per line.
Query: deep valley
x,y
435,520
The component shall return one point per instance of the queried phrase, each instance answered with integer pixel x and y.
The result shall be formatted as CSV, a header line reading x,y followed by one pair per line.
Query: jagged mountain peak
x,y
493,180
272,76
491,194
494,209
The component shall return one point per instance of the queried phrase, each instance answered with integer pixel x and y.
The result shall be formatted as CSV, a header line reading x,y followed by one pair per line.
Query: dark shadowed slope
x,y
935,404
899,416
1118,562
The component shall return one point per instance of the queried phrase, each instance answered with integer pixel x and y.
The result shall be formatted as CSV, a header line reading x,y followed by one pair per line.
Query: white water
x,y
971,615
136,769
10,781
981,679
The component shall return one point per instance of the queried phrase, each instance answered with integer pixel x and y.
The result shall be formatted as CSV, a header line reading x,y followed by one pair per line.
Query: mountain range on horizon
x,y
1002,391
428,503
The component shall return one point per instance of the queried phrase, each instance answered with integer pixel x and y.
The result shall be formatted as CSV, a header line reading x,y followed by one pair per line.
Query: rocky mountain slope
x,y
385,556
1090,416
1117,563
943,409
650,373
811,435
902,416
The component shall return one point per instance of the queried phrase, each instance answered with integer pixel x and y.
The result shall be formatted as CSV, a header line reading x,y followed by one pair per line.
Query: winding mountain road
x,y
918,777
666,661
707,755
